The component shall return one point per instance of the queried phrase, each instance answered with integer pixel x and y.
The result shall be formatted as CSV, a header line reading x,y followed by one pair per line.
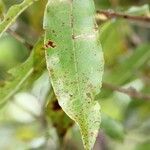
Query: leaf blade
x,y
75,62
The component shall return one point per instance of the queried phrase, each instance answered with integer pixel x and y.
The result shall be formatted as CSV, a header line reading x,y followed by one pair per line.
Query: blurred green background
x,y
24,122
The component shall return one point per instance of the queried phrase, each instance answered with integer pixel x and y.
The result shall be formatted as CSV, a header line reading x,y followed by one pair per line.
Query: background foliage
x,y
24,122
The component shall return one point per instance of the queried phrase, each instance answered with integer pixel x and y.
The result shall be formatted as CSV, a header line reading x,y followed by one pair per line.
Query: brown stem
x,y
20,39
112,14
129,91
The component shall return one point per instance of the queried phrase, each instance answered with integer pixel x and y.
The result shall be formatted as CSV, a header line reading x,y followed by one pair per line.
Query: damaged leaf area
x,y
75,62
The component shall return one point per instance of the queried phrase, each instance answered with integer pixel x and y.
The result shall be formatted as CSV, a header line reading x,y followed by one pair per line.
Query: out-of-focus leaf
x,y
10,56
20,74
139,10
10,50
13,13
4,75
34,17
139,112
112,37
143,146
127,69
30,69
39,55
111,108
57,116
2,8
102,4
39,62
113,128
75,62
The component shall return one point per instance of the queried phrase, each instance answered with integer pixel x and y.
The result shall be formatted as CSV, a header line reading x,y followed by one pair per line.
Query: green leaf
x,y
112,127
2,8
30,70
13,14
75,62
143,146
57,116
126,70
139,10
19,74
113,41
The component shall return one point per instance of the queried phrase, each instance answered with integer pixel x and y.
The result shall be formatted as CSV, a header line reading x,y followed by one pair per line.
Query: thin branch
x,y
133,93
112,14
20,39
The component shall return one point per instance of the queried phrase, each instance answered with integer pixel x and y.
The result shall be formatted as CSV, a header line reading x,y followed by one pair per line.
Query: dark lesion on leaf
x,y
50,44
89,95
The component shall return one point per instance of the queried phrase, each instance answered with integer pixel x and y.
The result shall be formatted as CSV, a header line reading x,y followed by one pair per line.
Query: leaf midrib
x,y
84,118
74,51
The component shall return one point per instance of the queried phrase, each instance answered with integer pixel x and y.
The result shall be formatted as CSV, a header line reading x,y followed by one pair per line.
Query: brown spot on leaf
x,y
50,44
51,71
88,94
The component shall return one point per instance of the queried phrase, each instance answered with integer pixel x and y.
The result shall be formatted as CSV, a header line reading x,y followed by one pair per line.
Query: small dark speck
x,y
88,95
50,44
